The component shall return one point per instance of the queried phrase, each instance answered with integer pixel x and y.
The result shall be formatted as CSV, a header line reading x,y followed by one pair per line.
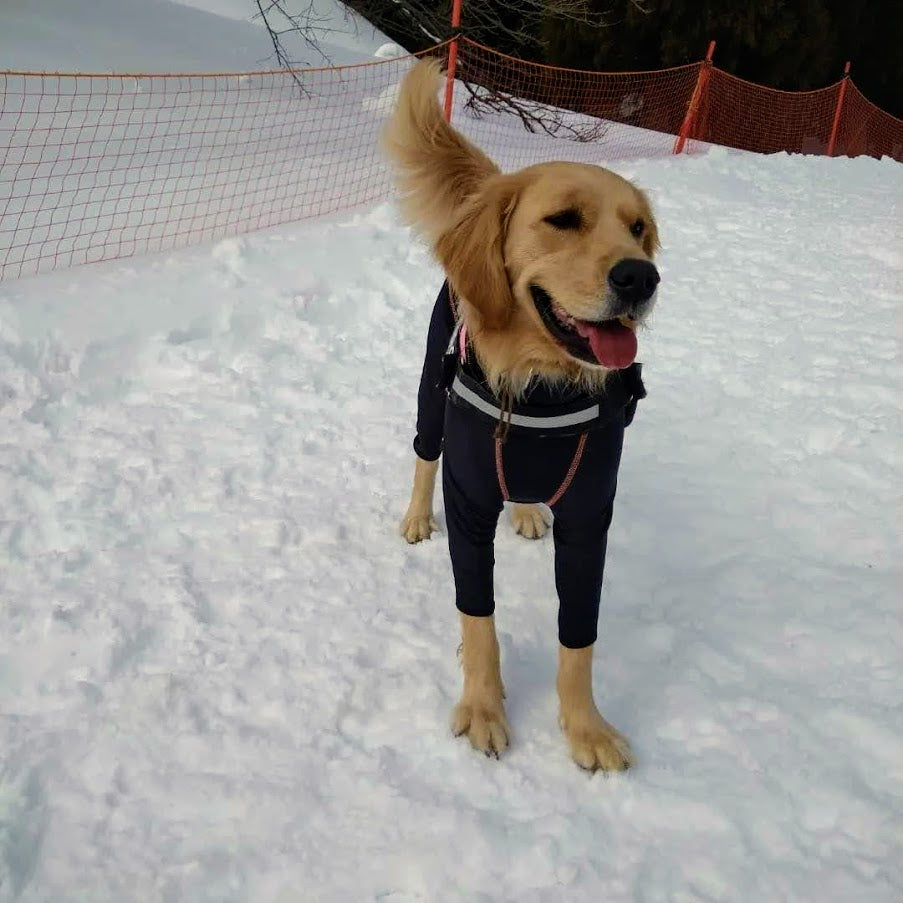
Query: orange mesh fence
x,y
866,129
511,105
94,167
741,114
522,110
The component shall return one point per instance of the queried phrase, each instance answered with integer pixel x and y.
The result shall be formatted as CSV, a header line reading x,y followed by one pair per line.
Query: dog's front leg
x,y
593,741
418,522
481,713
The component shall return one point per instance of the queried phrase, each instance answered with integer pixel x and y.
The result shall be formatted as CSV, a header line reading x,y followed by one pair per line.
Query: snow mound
x,y
389,51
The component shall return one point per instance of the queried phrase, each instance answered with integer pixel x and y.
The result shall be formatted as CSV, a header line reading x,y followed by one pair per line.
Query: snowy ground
x,y
224,677
167,36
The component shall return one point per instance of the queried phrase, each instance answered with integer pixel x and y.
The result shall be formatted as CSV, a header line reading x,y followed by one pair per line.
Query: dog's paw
x,y
416,527
597,745
485,725
529,521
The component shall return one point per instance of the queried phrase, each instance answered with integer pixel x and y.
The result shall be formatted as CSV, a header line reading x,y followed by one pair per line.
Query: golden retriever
x,y
536,259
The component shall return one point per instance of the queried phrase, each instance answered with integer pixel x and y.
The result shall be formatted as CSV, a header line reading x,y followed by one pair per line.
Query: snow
x,y
333,24
165,36
223,676
389,51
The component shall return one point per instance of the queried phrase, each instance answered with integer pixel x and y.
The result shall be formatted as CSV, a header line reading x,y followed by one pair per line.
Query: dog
x,y
528,384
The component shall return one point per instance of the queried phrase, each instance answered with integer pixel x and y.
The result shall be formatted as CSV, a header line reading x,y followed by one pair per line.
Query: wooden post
x,y
832,141
452,59
695,100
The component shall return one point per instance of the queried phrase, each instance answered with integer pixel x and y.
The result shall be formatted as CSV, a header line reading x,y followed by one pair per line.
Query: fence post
x,y
695,100
452,59
843,90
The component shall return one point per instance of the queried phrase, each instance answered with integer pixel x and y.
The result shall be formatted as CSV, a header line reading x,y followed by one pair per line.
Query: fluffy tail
x,y
437,168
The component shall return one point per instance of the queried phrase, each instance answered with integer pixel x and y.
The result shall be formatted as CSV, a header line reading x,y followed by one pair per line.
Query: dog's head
x,y
561,251
552,264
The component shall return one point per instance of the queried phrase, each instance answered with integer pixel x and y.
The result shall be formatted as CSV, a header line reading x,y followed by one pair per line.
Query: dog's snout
x,y
633,281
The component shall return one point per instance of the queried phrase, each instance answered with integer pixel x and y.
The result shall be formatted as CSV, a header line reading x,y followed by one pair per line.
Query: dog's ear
x,y
651,243
472,251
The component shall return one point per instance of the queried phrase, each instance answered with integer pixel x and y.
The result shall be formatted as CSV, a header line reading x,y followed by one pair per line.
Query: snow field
x,y
223,676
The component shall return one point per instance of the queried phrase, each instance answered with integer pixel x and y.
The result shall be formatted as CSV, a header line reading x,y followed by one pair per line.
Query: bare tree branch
x,y
535,117
516,24
306,24
519,25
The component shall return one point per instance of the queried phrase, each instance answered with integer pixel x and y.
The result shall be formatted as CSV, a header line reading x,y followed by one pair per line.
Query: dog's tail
x,y
436,167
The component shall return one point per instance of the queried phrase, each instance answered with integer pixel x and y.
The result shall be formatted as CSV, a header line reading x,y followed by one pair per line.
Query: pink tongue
x,y
613,343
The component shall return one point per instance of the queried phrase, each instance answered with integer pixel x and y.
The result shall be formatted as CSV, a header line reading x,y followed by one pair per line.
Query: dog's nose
x,y
634,281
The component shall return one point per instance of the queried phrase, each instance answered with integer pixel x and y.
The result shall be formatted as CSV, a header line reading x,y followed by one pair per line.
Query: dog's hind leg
x,y
481,712
529,520
418,522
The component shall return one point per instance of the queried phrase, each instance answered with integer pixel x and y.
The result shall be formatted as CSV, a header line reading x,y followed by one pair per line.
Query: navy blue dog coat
x,y
551,434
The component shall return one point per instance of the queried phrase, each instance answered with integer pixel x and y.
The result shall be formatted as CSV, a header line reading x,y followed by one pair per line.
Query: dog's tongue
x,y
613,344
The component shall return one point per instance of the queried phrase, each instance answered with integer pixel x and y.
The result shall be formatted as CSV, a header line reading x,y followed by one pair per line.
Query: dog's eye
x,y
565,219
637,228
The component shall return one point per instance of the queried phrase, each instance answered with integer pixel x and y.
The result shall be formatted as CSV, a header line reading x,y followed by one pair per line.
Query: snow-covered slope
x,y
165,36
333,25
223,676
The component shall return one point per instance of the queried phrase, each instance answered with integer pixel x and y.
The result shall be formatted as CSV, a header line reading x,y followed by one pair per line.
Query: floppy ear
x,y
651,244
472,251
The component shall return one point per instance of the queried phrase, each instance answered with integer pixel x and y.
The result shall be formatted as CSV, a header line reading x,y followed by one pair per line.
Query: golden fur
x,y
491,233
481,712
418,522
593,741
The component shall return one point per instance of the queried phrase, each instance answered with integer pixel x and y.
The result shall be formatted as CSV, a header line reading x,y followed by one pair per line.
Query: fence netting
x,y
865,129
528,112
737,113
94,167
